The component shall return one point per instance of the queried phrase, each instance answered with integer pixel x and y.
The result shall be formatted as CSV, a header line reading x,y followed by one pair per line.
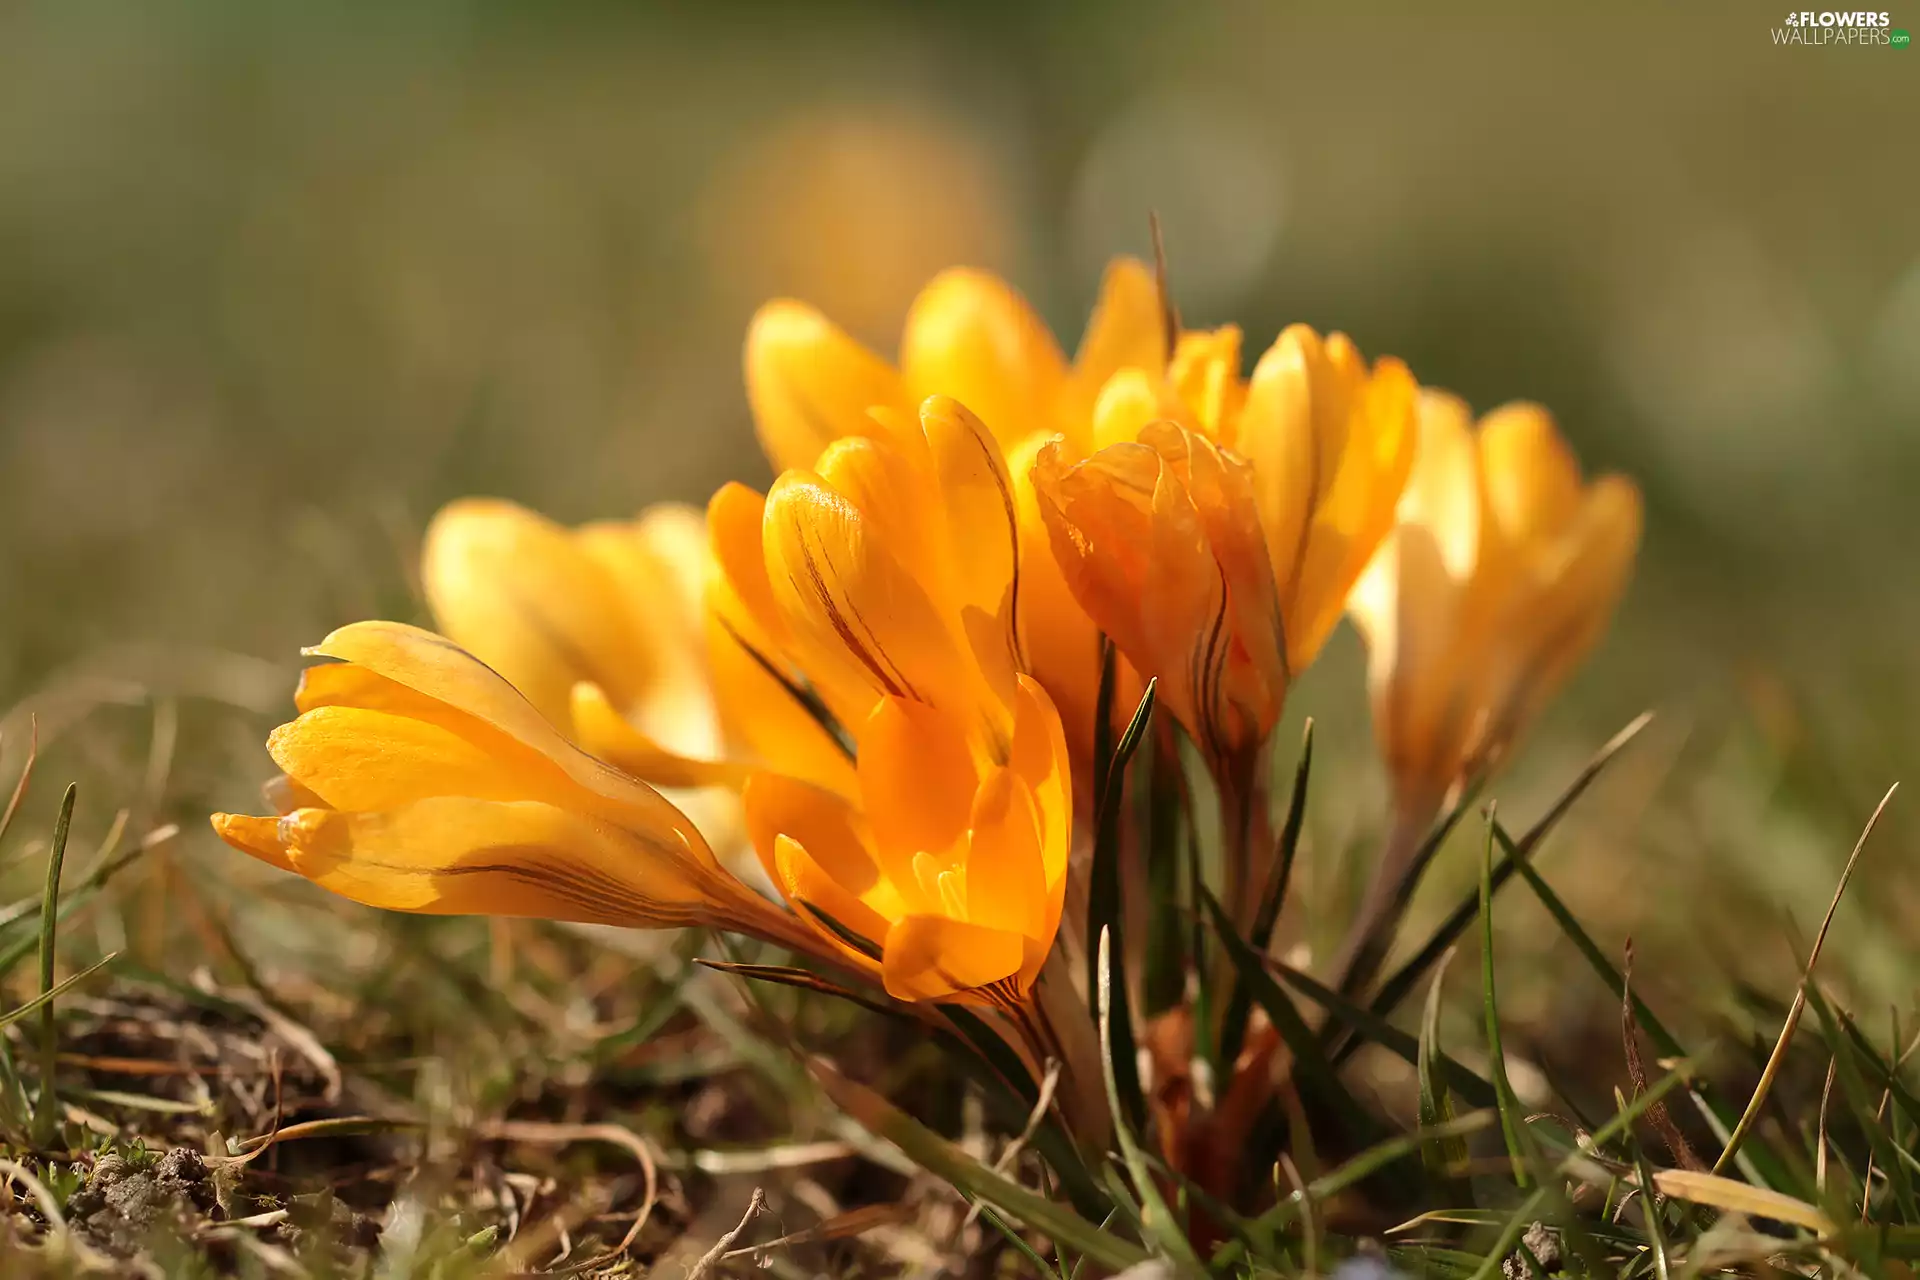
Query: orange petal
x,y
1006,874
937,958
257,836
917,779
830,865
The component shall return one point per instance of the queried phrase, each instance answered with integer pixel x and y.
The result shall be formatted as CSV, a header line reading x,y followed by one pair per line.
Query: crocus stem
x,y
1248,834
1370,936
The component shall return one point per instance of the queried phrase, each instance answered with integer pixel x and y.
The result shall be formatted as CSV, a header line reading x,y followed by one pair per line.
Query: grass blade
x,y
1408,976
1443,1156
973,1179
26,776
1792,1023
46,998
1366,1025
46,1114
1156,1219
1311,1068
1512,1123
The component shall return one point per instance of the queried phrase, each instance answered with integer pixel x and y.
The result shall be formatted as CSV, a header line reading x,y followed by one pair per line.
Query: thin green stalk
x,y
46,1114
1512,1125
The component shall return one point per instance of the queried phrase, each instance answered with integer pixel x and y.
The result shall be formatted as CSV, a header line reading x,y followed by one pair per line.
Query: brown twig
x,y
711,1258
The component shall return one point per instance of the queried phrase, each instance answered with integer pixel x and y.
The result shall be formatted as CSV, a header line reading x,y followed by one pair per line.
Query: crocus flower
x,y
600,627
1160,540
1500,575
416,778
971,337
882,583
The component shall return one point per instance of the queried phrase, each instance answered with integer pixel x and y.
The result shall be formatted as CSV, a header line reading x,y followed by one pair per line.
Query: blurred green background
x,y
277,279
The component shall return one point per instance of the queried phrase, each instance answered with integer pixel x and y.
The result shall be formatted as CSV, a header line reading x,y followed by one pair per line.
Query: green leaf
x,y
1233,1028
1156,1219
1311,1069
1104,909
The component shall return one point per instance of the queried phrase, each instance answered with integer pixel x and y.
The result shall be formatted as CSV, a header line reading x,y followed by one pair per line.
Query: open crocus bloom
x,y
416,778
599,627
971,337
1500,575
882,584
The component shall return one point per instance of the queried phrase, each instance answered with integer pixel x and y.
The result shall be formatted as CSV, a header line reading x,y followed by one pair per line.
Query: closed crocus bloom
x,y
1499,577
1331,441
599,627
885,589
416,778
1160,540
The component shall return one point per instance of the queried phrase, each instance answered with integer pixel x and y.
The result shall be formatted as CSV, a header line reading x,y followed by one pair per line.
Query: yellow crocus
x,y
416,778
878,588
600,627
971,337
1500,575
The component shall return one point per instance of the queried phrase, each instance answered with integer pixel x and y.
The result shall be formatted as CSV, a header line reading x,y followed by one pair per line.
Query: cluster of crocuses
x,y
883,673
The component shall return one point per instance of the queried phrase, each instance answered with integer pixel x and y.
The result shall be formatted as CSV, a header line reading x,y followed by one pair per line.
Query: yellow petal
x,y
435,668
1420,608
937,958
1129,401
861,617
1532,480
456,855
607,735
1041,760
1128,330
981,538
1331,445
1205,373
1130,547
917,780
828,863
765,714
972,337
519,593
354,758
809,384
